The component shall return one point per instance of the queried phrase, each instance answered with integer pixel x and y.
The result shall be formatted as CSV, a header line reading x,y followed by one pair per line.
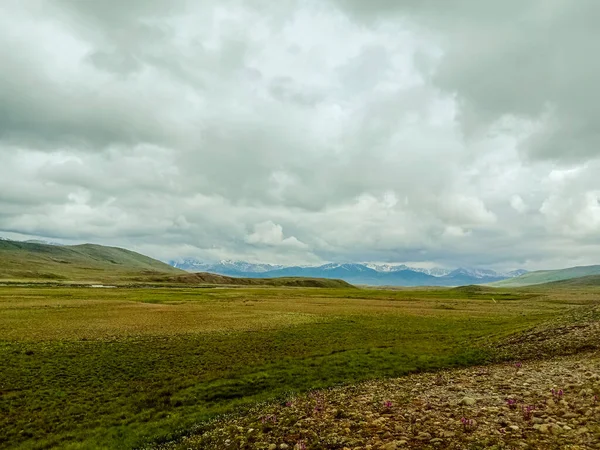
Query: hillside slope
x,y
573,283
210,278
547,276
87,262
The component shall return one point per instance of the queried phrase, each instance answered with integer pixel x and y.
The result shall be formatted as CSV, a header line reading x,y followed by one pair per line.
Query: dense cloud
x,y
455,133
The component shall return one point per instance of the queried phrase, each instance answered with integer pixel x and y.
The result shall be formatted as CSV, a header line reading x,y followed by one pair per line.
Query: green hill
x,y
574,283
548,276
87,262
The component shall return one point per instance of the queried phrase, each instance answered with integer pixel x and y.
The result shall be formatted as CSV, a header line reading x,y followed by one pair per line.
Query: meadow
x,y
130,367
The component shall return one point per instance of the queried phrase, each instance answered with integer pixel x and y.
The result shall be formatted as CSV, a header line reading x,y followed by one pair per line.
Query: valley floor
x,y
547,403
84,368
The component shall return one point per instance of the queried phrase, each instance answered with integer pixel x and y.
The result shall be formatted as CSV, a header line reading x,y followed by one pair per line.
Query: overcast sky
x,y
441,132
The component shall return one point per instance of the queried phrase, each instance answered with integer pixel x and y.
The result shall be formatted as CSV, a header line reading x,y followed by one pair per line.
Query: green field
x,y
125,367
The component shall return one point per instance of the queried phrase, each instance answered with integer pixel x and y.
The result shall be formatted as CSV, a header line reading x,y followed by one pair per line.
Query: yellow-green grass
x,y
120,368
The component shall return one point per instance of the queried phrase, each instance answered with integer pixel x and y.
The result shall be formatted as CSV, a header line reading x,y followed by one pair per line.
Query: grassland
x,y
120,368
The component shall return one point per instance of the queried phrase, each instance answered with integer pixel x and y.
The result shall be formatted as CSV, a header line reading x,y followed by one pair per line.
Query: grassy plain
x,y
121,368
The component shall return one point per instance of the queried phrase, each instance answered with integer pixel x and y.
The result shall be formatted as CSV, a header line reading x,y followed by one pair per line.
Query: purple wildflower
x,y
528,412
467,424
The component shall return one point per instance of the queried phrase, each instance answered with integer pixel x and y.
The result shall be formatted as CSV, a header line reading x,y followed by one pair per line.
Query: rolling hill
x,y
573,283
548,276
87,262
37,261
210,278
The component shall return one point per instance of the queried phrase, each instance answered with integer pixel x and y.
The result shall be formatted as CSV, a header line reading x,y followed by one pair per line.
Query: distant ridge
x,y
87,262
548,276
573,283
210,278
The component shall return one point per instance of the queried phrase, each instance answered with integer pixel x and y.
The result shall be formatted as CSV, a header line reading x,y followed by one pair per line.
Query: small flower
x,y
556,393
269,418
518,365
528,412
387,404
468,424
511,403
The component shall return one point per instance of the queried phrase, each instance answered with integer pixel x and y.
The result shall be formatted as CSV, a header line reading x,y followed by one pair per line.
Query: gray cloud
x,y
532,60
304,131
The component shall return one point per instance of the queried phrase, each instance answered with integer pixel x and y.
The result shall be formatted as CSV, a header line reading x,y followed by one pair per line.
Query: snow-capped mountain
x,y
435,271
356,273
223,267
515,273
386,267
475,273
350,267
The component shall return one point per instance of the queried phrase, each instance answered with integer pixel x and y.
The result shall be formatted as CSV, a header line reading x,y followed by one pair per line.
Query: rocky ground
x,y
539,401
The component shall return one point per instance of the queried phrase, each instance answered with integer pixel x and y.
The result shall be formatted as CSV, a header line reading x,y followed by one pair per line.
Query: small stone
x,y
273,447
424,436
436,441
468,401
567,428
513,428
544,428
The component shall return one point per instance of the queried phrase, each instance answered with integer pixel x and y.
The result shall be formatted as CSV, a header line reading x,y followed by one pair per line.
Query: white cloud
x,y
269,233
517,203
382,131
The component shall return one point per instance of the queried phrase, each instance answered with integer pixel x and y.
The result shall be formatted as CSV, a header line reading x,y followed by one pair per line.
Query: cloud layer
x,y
305,131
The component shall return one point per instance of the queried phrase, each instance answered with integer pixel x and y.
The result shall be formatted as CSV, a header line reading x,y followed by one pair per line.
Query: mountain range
x,y
355,273
41,260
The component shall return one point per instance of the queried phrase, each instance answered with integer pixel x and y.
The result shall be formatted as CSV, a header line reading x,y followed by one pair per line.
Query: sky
x,y
435,132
